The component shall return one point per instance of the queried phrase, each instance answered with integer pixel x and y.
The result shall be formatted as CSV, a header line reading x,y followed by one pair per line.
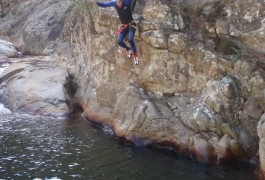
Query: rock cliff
x,y
199,87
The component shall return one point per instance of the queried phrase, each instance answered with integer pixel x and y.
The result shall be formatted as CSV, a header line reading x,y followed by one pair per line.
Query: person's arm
x,y
127,2
105,4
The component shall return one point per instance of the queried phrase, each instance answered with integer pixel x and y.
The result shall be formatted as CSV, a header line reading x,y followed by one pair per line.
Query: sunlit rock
x,y
155,38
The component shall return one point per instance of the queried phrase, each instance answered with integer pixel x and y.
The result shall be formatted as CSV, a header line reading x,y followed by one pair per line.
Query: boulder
x,y
8,49
36,87
155,38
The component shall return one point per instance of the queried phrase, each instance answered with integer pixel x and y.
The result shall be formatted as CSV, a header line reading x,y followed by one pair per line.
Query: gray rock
x,y
162,12
8,49
35,87
252,109
177,42
155,38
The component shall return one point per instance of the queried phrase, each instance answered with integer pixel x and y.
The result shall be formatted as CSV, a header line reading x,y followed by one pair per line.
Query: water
x,y
74,148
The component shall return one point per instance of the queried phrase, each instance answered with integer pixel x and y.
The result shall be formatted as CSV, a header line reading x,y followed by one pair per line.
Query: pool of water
x,y
74,148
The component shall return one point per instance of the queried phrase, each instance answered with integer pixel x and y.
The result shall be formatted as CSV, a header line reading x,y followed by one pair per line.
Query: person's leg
x,y
121,38
131,39
133,46
121,42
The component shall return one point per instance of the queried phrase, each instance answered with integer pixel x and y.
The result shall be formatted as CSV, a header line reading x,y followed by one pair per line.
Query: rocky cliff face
x,y
199,87
200,83
33,85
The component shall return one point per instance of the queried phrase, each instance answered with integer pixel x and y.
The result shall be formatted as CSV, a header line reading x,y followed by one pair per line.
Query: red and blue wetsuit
x,y
125,15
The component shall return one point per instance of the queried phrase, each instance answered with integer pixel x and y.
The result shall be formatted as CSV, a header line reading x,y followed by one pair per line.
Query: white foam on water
x,y
4,110
3,67
1,70
73,164
53,178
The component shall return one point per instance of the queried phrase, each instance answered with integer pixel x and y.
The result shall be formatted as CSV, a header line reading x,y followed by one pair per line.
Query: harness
x,y
125,26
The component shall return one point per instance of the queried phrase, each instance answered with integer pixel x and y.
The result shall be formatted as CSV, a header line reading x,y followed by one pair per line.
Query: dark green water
x,y
43,148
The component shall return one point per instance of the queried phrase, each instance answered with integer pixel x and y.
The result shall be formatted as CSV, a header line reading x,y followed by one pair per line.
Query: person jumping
x,y
123,8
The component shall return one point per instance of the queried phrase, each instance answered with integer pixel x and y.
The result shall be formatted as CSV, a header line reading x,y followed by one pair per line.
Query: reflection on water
x,y
43,148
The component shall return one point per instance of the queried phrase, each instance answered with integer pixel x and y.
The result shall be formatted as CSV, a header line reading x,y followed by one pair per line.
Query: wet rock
x,y
224,151
203,150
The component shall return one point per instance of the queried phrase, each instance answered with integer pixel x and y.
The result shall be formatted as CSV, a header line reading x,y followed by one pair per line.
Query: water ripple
x,y
44,148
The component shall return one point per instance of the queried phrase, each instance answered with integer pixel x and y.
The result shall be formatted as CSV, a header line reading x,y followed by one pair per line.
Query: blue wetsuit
x,y
125,15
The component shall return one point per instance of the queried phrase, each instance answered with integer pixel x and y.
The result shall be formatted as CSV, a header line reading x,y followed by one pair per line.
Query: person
x,y
128,26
